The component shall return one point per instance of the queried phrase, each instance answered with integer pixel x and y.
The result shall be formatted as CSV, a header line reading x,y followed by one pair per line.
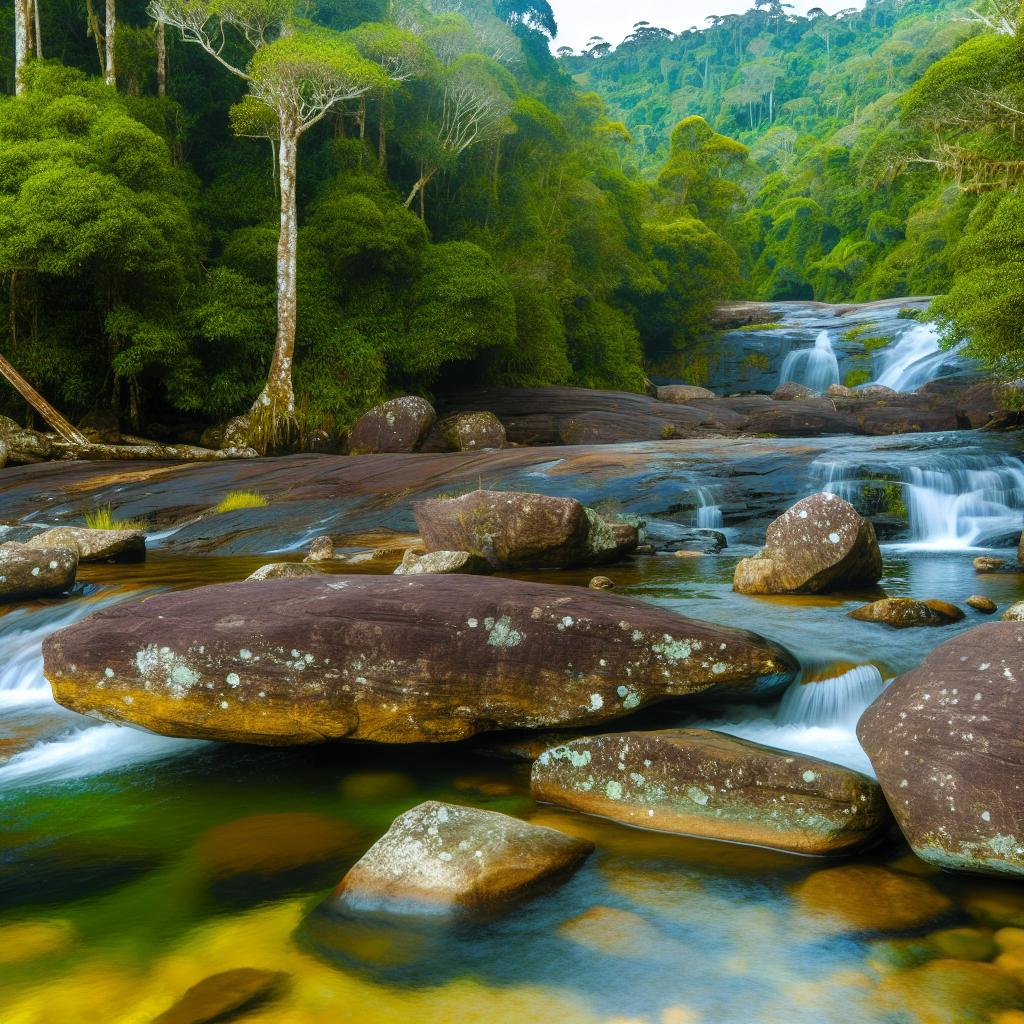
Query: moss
x,y
873,344
757,361
858,332
696,371
855,377
759,327
909,313
235,500
668,431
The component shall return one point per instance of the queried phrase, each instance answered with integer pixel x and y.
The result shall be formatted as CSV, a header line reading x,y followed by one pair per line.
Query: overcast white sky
x,y
578,20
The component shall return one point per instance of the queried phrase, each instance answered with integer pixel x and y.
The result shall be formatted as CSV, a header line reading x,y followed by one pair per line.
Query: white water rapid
x,y
912,360
815,367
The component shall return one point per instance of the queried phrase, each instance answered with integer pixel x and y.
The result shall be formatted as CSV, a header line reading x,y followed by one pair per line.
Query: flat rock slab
x,y
395,659
441,858
95,545
703,783
27,572
945,742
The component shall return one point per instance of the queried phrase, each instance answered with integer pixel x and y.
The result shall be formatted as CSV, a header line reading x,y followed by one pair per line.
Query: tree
x,y
24,41
109,37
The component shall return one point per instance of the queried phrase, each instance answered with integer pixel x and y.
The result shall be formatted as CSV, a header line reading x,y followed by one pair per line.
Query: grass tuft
x,y
103,519
235,500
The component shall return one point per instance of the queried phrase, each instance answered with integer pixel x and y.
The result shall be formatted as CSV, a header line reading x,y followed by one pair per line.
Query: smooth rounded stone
x,y
685,553
513,529
398,425
394,659
321,549
683,393
220,995
269,847
869,898
614,932
944,740
1015,613
965,943
435,563
698,782
601,583
986,563
94,545
980,603
791,391
822,543
473,431
27,572
906,612
875,391
951,991
441,858
645,549
284,570
839,391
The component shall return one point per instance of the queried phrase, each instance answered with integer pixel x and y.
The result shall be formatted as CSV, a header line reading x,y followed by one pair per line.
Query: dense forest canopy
x,y
206,204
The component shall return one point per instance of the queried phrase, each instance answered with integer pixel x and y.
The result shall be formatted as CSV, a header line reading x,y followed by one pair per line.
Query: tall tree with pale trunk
x,y
25,42
295,77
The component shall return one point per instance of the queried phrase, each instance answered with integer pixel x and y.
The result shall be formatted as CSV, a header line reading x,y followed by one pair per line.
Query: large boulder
x,y
683,393
94,545
398,425
27,572
704,783
822,543
944,740
441,858
473,431
905,612
516,530
791,391
395,659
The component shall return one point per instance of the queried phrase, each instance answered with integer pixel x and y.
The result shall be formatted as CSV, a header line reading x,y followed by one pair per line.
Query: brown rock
x,y
27,572
822,543
398,425
473,431
904,612
980,603
600,583
703,783
511,529
393,659
839,391
876,391
792,390
321,549
284,570
867,897
440,562
944,740
1020,550
985,563
445,858
683,393
94,545
1015,613
220,995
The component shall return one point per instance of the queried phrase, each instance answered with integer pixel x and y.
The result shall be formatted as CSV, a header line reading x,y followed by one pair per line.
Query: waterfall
x,y
709,515
914,359
954,500
815,367
832,702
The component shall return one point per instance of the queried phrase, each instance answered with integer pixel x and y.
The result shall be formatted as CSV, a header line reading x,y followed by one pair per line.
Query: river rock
x,y
683,393
393,659
94,545
703,783
904,612
473,431
791,390
27,572
284,570
600,583
440,562
980,603
1015,613
512,529
441,858
944,740
986,563
839,391
822,543
321,549
875,391
398,425
222,995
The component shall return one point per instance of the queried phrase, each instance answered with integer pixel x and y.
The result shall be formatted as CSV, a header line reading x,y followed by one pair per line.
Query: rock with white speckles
x,y
394,659
822,543
945,742
285,570
1015,613
94,545
473,431
28,572
519,530
441,562
703,783
906,612
398,425
441,858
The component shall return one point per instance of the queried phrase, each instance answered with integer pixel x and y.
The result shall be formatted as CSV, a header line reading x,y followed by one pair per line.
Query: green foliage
x,y
103,518
234,501
854,378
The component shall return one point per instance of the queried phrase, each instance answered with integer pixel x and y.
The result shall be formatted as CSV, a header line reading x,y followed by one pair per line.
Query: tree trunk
x,y
382,137
22,40
39,28
110,30
420,185
161,60
40,404
273,414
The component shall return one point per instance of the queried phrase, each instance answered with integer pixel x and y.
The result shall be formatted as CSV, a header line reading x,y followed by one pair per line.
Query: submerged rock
x,y
822,543
398,425
512,529
441,858
220,995
284,570
394,659
473,431
905,612
27,572
944,740
703,783
980,603
94,545
986,563
435,563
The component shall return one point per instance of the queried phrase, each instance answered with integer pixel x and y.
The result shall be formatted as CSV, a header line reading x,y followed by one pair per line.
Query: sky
x,y
578,20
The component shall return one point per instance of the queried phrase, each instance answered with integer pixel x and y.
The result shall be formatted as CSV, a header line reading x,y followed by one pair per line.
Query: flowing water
x,y
815,367
120,888
913,359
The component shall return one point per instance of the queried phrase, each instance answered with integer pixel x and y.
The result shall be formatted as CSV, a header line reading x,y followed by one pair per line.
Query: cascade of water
x,y
815,367
954,500
913,359
709,515
832,702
